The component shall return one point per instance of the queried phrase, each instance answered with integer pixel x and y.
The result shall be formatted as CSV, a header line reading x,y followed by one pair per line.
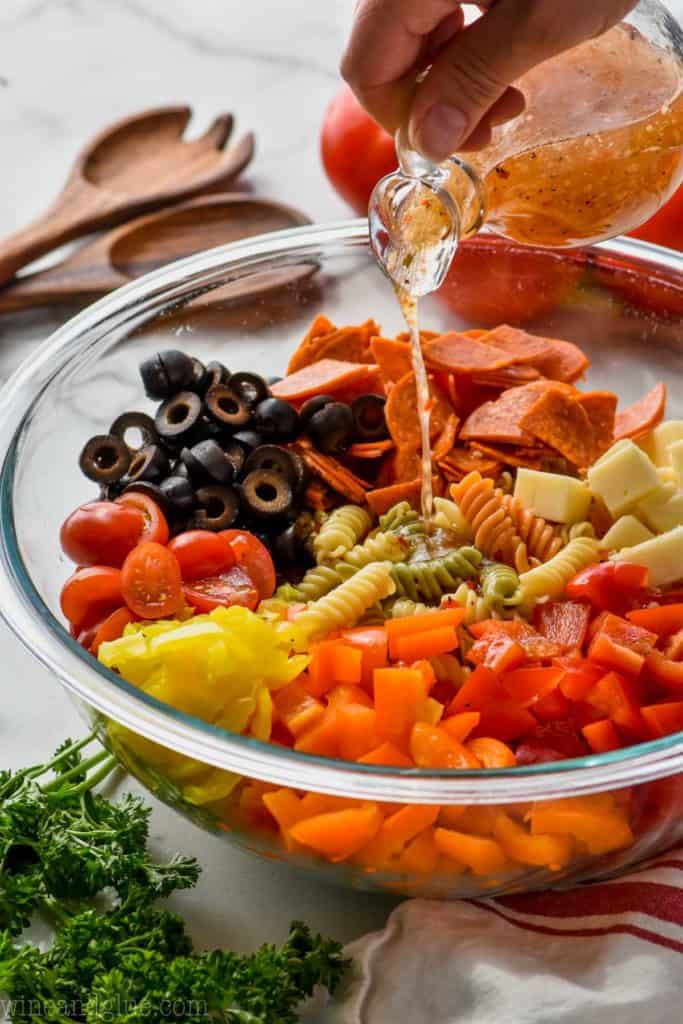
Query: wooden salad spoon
x,y
146,243
137,164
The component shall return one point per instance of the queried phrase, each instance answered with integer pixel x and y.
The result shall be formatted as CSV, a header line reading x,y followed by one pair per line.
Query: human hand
x,y
469,69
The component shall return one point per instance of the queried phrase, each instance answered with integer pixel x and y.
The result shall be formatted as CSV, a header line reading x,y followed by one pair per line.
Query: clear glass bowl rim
x,y
43,635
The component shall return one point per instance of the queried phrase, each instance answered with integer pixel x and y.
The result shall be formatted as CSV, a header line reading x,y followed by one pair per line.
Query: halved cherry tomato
x,y
111,628
101,533
232,587
156,527
151,583
254,558
201,553
90,594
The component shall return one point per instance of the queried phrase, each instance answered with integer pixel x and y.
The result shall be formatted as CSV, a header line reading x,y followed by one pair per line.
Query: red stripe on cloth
x,y
664,902
583,933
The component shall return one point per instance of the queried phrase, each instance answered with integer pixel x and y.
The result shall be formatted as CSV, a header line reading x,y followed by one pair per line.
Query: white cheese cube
x,y
649,508
562,499
625,533
657,442
662,555
676,456
668,515
623,478
667,475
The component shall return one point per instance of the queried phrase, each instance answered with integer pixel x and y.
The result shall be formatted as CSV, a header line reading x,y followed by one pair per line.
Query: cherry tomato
x,y
156,527
101,533
666,227
110,628
254,558
356,152
201,553
223,590
90,594
493,282
151,582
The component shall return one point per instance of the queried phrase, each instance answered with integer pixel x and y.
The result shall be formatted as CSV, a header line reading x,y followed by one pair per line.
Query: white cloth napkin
x,y
608,953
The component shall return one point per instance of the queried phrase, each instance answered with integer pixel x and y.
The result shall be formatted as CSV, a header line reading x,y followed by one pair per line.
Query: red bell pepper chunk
x,y
609,586
602,736
662,670
606,651
552,707
498,652
628,634
580,676
663,719
617,698
660,619
556,741
528,685
479,689
505,720
673,648
565,622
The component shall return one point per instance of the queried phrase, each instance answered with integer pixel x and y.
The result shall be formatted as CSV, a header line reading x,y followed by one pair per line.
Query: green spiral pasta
x,y
448,516
500,585
550,579
378,547
403,606
430,580
317,582
348,602
477,607
340,532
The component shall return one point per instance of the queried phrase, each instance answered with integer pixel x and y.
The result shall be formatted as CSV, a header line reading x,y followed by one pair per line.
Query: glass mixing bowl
x,y
249,304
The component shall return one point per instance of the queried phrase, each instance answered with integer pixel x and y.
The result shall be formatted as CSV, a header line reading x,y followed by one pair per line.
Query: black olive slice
x,y
207,462
152,491
104,459
154,377
331,428
178,493
227,407
273,379
288,547
271,456
200,377
177,417
277,420
236,454
248,440
179,369
150,463
217,374
267,494
368,418
218,508
250,387
312,406
131,425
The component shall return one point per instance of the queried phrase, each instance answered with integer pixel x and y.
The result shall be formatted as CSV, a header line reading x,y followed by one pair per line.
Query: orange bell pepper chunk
x,y
322,739
548,851
398,629
320,669
497,651
420,855
461,725
388,754
477,819
343,694
451,815
492,753
593,820
664,671
399,693
602,736
296,708
395,832
429,644
481,855
313,804
432,747
527,685
285,807
478,690
663,719
372,642
339,834
357,731
617,698
347,663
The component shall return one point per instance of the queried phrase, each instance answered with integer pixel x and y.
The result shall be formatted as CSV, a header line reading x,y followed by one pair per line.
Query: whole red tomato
x,y
101,533
356,152
666,227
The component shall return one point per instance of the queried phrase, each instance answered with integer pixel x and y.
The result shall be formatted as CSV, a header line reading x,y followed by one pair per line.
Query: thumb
x,y
475,69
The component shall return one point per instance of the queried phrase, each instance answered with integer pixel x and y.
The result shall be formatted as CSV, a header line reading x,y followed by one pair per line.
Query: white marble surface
x,y
68,67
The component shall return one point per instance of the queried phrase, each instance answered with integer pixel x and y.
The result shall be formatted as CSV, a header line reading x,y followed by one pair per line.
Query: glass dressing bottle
x,y
597,151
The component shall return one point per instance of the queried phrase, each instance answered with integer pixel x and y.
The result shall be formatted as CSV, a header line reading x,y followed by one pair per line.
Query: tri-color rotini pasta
x,y
429,580
341,531
346,604
495,532
550,579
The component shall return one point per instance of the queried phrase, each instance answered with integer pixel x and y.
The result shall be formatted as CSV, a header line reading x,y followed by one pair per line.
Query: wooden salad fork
x,y
148,242
137,164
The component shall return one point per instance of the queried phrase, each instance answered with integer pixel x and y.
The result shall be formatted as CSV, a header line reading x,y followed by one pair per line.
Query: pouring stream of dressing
x,y
409,309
